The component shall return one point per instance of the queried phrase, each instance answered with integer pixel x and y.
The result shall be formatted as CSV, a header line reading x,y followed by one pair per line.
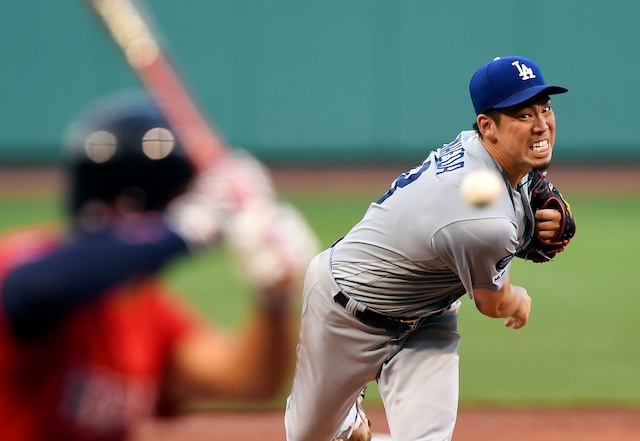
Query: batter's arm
x,y
510,301
253,363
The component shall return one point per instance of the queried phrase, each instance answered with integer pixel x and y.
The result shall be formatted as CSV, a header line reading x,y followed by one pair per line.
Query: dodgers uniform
x,y
382,303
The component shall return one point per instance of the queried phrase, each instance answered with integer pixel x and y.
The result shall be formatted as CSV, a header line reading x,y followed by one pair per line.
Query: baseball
x,y
482,187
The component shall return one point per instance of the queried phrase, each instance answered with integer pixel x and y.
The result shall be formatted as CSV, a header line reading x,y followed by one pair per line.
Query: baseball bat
x,y
132,31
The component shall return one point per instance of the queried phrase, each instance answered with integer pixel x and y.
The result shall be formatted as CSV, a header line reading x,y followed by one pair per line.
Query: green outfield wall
x,y
326,81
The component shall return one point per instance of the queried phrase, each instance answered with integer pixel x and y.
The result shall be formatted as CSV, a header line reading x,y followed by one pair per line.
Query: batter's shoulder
x,y
23,244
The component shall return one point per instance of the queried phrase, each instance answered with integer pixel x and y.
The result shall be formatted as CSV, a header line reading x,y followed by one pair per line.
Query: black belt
x,y
377,320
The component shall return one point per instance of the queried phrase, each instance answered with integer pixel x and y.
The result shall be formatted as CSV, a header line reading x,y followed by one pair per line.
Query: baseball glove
x,y
544,195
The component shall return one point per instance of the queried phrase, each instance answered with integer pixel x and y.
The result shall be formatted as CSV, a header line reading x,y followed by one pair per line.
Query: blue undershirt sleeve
x,y
39,294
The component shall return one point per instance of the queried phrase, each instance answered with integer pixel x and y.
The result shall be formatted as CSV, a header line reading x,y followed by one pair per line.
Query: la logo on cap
x,y
525,72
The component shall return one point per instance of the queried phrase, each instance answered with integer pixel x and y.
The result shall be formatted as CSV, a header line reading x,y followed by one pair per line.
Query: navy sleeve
x,y
39,294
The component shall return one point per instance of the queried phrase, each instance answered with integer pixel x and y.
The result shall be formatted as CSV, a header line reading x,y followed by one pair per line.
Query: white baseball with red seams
x,y
482,187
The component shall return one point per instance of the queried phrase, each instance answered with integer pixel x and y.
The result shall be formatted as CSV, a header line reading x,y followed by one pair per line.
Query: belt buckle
x,y
411,323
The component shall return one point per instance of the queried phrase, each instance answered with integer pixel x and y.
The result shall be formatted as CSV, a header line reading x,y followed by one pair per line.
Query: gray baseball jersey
x,y
421,246
416,251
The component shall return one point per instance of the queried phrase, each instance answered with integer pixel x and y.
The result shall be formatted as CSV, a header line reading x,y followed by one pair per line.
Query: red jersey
x,y
94,374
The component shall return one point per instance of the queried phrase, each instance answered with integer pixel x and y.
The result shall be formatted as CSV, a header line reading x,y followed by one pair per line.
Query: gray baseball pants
x,y
337,355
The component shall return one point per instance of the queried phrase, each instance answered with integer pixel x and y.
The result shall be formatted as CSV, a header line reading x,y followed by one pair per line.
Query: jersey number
x,y
405,179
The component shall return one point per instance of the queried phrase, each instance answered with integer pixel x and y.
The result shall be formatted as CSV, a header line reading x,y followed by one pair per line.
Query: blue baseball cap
x,y
507,81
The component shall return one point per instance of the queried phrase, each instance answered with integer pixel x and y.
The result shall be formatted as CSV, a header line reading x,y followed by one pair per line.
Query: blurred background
x,y
375,84
332,81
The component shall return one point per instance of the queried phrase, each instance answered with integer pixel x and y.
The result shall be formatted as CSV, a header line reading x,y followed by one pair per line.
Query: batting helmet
x,y
123,146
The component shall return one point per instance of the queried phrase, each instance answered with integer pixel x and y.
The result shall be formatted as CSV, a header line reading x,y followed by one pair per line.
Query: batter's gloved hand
x,y
544,195
241,182
273,245
236,184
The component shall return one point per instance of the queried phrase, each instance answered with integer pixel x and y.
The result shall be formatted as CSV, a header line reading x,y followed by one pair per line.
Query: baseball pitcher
x,y
382,303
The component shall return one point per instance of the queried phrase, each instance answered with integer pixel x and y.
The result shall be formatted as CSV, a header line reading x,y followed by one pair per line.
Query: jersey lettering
x,y
450,156
447,158
103,402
